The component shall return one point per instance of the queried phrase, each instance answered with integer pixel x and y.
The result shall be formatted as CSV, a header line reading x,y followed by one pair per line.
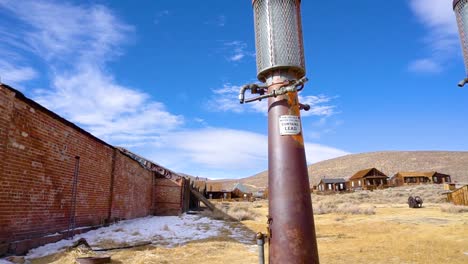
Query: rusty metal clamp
x,y
288,86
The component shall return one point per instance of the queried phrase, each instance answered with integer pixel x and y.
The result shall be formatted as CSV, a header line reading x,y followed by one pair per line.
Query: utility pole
x,y
281,69
460,7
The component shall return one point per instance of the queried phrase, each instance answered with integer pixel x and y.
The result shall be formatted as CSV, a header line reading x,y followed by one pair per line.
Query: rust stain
x,y
293,109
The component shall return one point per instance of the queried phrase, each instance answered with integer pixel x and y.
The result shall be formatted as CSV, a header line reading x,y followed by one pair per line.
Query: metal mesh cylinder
x,y
461,12
278,37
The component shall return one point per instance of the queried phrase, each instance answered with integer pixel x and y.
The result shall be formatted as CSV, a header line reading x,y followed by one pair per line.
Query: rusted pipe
x,y
261,247
72,219
292,238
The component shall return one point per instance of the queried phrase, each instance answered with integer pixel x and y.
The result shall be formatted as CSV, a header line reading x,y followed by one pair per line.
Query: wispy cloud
x,y
221,20
160,15
237,50
244,153
15,75
425,66
77,42
225,99
442,38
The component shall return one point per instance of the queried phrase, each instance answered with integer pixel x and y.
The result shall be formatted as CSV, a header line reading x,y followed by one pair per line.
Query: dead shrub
x,y
454,209
327,207
242,211
232,211
430,193
347,208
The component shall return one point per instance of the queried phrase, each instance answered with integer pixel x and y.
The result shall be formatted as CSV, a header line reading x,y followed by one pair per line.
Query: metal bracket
x,y
288,86
463,82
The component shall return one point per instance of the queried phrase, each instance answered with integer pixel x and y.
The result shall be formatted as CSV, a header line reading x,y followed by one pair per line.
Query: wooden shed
x,y
332,185
411,178
368,179
222,190
439,178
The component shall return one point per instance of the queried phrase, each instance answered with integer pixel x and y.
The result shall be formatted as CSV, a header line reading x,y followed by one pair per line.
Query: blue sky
x,y
161,77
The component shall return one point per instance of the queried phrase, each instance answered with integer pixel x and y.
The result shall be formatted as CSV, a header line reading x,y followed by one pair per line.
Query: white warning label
x,y
289,125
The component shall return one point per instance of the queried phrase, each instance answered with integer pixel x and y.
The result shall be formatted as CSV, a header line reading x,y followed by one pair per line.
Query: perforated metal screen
x,y
278,36
461,12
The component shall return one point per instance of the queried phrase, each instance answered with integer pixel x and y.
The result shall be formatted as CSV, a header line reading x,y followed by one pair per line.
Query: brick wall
x,y
132,191
168,196
37,172
38,151
5,113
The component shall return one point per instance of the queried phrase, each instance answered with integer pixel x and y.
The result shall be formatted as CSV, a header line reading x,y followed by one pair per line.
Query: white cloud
x,y
425,66
221,21
15,74
223,153
442,39
160,15
225,99
77,42
237,50
107,109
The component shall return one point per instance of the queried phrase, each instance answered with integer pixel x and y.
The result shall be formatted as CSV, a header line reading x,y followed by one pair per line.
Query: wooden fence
x,y
459,196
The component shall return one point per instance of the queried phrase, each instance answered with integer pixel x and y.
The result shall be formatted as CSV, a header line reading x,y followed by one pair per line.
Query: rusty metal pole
x,y
292,229
460,7
280,62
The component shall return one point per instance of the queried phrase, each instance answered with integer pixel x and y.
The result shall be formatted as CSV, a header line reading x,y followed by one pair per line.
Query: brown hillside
x,y
454,163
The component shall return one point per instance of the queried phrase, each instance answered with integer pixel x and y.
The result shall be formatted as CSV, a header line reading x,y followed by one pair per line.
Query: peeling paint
x,y
24,134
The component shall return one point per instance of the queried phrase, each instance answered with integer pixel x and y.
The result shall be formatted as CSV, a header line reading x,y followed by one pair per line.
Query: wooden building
x,y
411,178
417,177
229,190
368,179
439,178
332,185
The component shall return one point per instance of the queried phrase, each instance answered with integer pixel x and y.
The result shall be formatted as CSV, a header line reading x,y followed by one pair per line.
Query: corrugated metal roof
x,y
336,180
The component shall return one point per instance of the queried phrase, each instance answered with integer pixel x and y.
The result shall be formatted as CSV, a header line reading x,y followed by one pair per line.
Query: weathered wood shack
x,y
222,190
411,178
332,185
368,179
439,178
419,177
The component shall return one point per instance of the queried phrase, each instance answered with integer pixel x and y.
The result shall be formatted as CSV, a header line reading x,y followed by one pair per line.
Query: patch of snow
x,y
166,231
4,261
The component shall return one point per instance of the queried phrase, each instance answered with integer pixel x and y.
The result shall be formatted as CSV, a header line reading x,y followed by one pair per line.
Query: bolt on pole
x,y
460,7
281,67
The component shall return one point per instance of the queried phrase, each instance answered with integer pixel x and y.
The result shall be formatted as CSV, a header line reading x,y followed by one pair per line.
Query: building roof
x,y
406,174
335,180
363,173
225,187
150,165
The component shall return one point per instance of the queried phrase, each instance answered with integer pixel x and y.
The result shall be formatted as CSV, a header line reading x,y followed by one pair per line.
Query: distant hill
x,y
454,163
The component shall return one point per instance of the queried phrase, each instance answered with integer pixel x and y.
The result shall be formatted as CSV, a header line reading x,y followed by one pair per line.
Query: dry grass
x,y
238,211
454,209
429,193
393,233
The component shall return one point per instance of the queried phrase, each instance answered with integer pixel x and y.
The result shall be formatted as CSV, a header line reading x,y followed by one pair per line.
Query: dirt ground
x,y
394,234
